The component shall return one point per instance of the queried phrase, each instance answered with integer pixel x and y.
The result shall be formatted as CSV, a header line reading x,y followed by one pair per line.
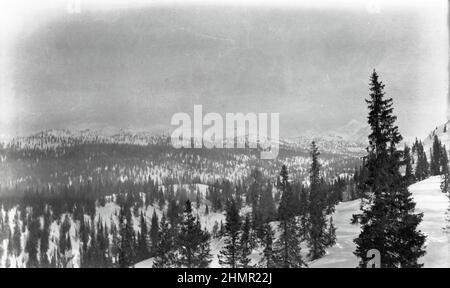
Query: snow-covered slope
x,y
443,133
434,204
353,131
430,200
341,254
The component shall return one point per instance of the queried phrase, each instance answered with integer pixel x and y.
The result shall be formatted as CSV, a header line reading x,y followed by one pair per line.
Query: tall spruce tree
x,y
45,238
154,232
317,240
127,251
304,214
331,234
194,250
32,244
269,258
164,255
103,259
409,176
388,222
422,167
267,204
143,250
229,255
407,161
245,243
92,258
16,238
288,250
435,160
443,161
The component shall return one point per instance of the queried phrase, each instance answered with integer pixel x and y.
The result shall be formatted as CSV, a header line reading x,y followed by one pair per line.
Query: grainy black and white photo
x,y
224,134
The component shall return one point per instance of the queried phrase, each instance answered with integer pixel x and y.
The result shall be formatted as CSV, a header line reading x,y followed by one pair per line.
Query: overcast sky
x,y
135,66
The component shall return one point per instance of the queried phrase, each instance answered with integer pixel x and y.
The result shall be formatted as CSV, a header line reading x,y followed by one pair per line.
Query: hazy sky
x,y
135,65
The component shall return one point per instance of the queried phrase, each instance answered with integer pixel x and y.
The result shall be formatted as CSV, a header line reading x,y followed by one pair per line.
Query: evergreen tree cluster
x,y
303,215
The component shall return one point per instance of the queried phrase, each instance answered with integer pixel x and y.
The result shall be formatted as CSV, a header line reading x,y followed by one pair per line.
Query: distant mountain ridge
x,y
339,142
354,132
53,138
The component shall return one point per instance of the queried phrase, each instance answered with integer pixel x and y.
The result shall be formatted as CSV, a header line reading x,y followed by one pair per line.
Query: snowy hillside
x,y
443,134
430,200
341,254
434,204
354,131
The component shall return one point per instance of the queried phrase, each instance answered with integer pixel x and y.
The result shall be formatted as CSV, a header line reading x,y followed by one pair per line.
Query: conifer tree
x,y
115,245
229,254
245,243
422,167
215,229
221,229
318,238
267,204
288,250
65,243
193,246
388,221
269,260
154,232
92,258
102,244
164,256
127,253
45,238
435,160
304,214
409,176
32,244
143,252
84,239
16,239
443,161
331,234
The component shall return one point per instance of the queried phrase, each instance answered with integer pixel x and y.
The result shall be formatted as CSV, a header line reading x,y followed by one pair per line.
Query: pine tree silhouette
x,y
388,221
